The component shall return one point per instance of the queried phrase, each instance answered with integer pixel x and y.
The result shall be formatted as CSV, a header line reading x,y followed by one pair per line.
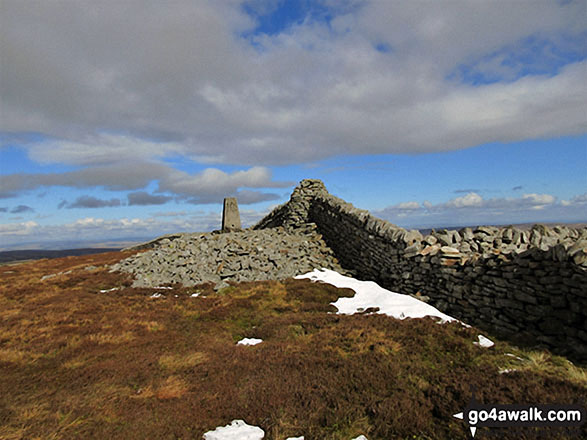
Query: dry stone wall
x,y
522,284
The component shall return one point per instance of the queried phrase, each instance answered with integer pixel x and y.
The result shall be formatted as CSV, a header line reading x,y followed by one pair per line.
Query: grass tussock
x,y
79,363
182,362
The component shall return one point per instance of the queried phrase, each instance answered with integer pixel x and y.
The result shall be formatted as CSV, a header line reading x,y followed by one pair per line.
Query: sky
x,y
125,120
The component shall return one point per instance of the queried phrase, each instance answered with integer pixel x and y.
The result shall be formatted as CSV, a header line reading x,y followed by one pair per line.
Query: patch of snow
x,y
507,370
237,429
295,438
195,295
53,275
514,356
162,288
109,290
156,295
370,295
484,342
249,341
361,437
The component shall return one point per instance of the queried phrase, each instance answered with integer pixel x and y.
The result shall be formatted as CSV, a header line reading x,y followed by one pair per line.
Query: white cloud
x,y
17,229
143,81
539,199
101,149
471,199
408,206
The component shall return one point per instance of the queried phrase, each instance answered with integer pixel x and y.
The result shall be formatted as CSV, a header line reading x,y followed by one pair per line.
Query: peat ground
x,y
78,360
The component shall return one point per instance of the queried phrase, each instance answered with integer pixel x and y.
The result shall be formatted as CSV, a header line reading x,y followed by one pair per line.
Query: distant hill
x,y
37,254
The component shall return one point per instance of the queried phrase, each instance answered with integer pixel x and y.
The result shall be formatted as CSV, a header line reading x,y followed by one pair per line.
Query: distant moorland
x,y
37,254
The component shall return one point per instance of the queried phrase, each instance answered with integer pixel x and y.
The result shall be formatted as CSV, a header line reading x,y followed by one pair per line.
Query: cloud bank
x,y
472,209
96,230
199,78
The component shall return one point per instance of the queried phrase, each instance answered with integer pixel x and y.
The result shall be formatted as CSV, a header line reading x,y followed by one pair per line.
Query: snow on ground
x,y
369,295
484,342
237,429
249,341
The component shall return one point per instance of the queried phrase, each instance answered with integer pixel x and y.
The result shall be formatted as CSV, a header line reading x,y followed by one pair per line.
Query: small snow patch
x,y
507,370
514,356
53,275
361,437
156,295
370,296
484,342
295,438
249,341
162,288
109,290
237,429
195,295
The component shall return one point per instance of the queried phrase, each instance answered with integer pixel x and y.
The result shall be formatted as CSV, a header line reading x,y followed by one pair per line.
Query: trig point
x,y
231,220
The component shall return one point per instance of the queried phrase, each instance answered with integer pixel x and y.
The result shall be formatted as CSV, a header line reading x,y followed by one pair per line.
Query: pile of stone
x,y
192,259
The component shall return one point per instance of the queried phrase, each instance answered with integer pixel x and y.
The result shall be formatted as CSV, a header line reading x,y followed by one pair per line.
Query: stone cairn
x,y
228,255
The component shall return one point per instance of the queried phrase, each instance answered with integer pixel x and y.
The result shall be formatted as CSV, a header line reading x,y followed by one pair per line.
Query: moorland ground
x,y
79,360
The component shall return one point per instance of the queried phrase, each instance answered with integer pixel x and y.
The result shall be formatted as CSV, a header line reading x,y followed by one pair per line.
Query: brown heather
x,y
76,363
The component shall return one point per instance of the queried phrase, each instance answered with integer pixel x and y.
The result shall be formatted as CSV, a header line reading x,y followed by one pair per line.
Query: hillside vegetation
x,y
80,360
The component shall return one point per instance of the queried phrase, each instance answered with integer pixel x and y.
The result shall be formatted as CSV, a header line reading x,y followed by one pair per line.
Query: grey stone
x,y
449,251
231,220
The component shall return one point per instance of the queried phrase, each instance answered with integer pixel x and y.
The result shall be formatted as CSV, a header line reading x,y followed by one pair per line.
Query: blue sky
x,y
135,120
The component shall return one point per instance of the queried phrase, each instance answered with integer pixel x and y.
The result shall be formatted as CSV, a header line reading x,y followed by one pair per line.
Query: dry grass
x,y
77,363
173,387
172,362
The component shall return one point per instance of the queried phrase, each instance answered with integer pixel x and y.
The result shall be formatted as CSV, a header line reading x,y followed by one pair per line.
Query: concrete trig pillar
x,y
231,220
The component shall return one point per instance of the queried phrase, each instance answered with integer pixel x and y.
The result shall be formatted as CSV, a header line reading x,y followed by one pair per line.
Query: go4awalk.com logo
x,y
477,415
